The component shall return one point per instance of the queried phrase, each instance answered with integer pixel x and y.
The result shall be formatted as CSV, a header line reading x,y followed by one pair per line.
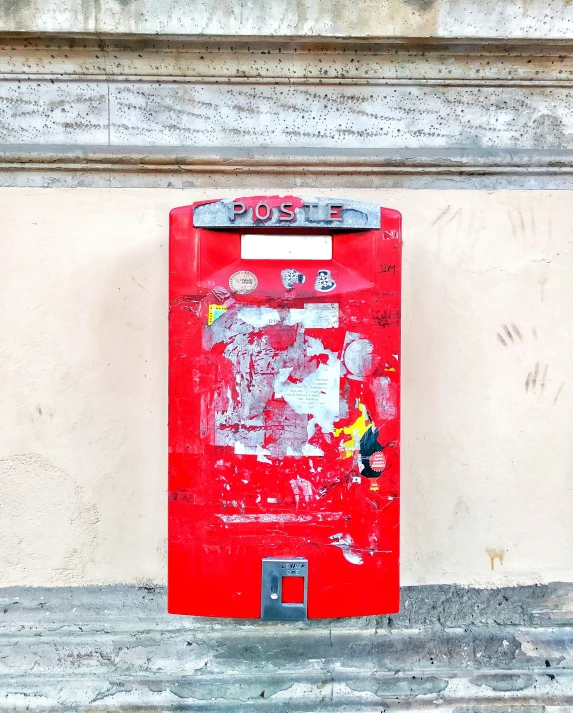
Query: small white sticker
x,y
291,277
243,282
324,281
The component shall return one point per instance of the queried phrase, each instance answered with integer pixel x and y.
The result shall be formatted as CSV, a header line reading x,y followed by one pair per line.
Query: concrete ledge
x,y
450,649
285,160
87,111
334,62
184,167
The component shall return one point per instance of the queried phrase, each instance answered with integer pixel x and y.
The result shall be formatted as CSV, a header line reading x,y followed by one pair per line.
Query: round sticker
x,y
243,282
378,461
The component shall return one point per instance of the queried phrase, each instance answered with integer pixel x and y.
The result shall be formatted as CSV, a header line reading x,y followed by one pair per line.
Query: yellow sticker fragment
x,y
214,312
356,430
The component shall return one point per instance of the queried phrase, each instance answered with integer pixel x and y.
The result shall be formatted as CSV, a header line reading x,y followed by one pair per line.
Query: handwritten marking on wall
x,y
533,379
387,267
559,390
539,378
507,336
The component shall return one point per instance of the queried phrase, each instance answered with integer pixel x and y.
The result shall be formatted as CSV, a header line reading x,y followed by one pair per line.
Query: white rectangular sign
x,y
257,246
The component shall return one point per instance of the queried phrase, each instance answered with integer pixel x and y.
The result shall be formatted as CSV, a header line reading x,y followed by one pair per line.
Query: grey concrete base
x,y
450,649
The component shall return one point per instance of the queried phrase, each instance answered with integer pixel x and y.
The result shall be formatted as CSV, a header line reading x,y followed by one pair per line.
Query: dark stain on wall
x,y
421,5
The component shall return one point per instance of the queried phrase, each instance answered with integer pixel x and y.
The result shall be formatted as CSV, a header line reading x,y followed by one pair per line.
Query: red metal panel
x,y
284,419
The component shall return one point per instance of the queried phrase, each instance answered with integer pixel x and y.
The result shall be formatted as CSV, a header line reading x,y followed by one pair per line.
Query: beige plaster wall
x,y
487,368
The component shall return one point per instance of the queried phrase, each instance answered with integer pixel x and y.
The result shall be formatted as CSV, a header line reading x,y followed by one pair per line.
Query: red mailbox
x,y
284,376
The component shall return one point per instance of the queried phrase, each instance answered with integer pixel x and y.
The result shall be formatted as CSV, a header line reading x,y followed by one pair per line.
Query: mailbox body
x,y
284,380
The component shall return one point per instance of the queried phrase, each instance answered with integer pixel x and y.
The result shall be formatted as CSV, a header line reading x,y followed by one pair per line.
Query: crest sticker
x,y
243,282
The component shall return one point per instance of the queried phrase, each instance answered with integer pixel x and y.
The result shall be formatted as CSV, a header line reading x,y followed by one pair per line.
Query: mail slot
x,y
284,408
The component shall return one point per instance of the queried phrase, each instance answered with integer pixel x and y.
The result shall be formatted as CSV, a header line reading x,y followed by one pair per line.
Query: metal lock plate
x,y
272,606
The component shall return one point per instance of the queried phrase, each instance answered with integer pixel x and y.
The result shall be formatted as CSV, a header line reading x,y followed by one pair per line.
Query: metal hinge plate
x,y
272,606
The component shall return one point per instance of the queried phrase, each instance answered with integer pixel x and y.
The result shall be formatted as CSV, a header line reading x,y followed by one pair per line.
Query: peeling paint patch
x,y
384,393
505,682
261,453
318,393
315,316
345,542
276,377
259,316
357,356
281,517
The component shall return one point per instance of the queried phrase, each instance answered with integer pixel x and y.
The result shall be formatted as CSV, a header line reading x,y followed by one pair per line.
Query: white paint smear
x,y
259,316
315,316
345,543
306,450
358,358
280,517
310,450
244,450
382,392
301,488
